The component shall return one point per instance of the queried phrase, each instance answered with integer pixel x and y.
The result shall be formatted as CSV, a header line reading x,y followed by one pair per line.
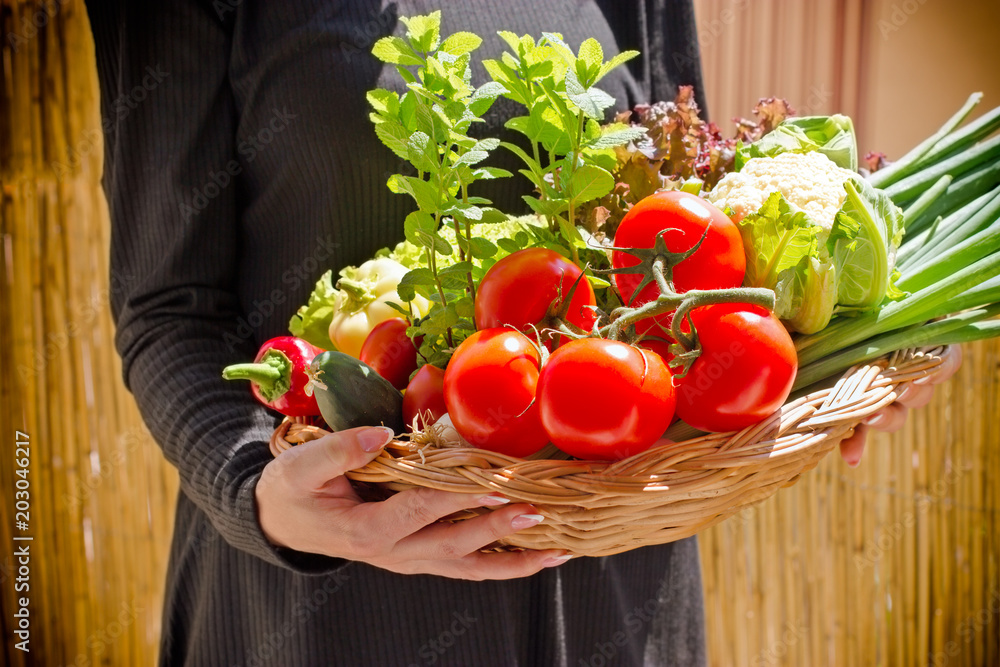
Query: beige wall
x,y
885,564
921,66
898,67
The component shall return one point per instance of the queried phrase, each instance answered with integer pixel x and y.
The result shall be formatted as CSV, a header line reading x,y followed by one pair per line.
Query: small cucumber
x,y
350,393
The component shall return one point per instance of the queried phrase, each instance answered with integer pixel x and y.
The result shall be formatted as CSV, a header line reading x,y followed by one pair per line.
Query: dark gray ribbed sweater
x,y
240,164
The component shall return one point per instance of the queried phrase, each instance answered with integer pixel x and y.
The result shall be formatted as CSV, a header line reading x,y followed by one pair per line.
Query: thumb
x,y
312,464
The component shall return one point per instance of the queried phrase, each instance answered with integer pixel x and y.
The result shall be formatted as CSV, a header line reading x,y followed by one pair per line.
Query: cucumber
x,y
350,393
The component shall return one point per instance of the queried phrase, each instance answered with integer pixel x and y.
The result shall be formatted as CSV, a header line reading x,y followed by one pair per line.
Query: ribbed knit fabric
x,y
240,164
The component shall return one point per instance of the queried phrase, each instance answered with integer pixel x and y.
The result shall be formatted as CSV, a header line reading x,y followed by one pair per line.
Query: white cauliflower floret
x,y
811,181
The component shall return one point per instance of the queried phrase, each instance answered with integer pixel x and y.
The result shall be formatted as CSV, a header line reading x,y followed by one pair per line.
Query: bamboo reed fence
x,y
885,564
101,497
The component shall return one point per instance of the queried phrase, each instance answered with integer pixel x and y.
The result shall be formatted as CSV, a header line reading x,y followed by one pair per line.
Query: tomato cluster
x,y
516,385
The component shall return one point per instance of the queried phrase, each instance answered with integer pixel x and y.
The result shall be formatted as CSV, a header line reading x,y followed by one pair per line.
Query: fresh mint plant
x,y
570,164
428,126
572,153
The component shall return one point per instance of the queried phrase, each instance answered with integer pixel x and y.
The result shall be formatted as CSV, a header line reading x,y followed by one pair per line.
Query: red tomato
x,y
602,399
390,352
424,394
745,372
520,288
488,388
681,218
660,346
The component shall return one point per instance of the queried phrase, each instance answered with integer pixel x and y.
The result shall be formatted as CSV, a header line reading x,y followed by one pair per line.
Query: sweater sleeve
x,y
171,180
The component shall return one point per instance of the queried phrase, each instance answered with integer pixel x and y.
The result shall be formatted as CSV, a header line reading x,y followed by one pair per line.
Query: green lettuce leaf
x,y
312,321
833,136
815,273
866,233
784,253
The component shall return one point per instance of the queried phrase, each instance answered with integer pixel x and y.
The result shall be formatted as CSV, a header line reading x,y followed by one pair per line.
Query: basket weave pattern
x,y
666,493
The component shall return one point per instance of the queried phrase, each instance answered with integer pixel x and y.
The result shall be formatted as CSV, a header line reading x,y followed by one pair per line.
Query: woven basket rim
x,y
665,493
811,413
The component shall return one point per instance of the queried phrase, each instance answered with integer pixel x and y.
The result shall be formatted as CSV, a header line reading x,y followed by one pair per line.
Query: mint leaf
x,y
621,58
590,101
590,182
456,276
386,102
591,54
492,216
485,95
422,152
396,51
424,31
513,41
459,43
490,173
617,137
411,280
465,307
472,157
509,245
395,136
424,193
547,207
418,221
481,248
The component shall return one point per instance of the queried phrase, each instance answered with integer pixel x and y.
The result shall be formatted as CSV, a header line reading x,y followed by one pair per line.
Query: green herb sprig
x,y
572,153
428,127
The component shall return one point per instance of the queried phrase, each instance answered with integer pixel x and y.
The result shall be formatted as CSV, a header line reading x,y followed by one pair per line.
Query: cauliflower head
x,y
810,181
817,234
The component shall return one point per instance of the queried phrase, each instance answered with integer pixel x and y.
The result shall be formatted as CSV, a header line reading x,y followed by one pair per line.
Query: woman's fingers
x,y
480,566
410,511
889,419
916,395
311,465
952,362
454,540
851,448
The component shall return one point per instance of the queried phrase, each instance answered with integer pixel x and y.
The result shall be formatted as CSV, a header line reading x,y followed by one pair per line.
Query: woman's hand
x,y
891,418
304,502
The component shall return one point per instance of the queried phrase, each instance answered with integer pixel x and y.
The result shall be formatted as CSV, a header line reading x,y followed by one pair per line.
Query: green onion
x,y
928,335
909,162
936,300
962,191
962,139
970,333
924,201
955,231
972,249
910,187
913,245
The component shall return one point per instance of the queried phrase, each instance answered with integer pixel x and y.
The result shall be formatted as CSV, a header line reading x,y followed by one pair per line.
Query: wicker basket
x,y
664,494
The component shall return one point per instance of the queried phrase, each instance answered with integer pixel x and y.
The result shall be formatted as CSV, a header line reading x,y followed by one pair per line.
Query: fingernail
x,y
924,380
875,419
902,395
375,438
526,521
853,463
493,500
556,560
